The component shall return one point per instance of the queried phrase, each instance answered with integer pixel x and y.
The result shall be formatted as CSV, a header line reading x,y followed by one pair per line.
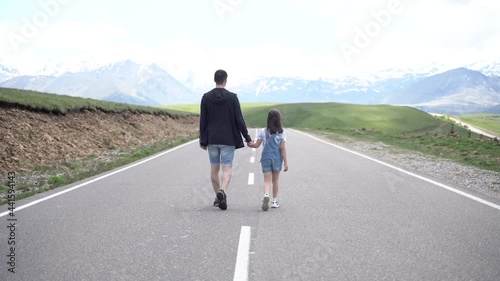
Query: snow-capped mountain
x,y
489,68
432,88
124,81
7,72
456,91
283,89
57,68
494,109
366,88
445,84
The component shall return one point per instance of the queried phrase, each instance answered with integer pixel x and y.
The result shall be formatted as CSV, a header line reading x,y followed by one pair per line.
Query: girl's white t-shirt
x,y
262,136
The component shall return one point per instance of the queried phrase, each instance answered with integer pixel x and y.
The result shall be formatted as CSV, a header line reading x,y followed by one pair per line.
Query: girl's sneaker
x,y
275,204
265,203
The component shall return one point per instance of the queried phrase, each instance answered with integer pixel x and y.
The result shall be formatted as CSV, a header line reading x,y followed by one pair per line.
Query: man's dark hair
x,y
220,76
274,122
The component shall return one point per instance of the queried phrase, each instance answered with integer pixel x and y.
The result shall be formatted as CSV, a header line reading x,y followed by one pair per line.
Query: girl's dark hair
x,y
274,122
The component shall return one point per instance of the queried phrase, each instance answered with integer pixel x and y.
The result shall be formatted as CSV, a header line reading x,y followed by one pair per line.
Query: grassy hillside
x,y
487,122
191,108
195,108
60,104
385,118
337,116
398,126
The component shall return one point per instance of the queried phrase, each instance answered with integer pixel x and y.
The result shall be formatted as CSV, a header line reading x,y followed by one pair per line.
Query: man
x,y
221,128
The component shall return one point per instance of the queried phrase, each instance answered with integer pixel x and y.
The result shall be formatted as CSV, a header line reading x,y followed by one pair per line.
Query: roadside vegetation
x,y
39,179
60,104
47,177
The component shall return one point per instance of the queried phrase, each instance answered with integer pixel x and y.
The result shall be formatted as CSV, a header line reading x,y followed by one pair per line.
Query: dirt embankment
x,y
29,139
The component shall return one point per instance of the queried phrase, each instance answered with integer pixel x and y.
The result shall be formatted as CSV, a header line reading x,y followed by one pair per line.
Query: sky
x,y
251,38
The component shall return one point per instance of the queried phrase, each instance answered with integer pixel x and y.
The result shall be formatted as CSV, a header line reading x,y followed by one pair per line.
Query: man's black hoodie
x,y
221,120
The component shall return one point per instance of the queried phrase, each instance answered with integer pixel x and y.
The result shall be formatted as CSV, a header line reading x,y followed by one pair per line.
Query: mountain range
x,y
455,91
125,81
470,89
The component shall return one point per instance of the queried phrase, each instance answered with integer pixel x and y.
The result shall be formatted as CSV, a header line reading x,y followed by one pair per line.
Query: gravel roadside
x,y
458,175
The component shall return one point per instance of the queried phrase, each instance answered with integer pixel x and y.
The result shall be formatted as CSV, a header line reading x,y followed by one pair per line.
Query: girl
x,y
273,156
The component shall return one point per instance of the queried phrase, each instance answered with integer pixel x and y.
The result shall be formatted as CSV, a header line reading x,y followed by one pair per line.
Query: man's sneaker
x,y
275,204
216,202
265,203
221,195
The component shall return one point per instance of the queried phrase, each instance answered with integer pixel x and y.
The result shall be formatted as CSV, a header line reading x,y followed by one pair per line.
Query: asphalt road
x,y
342,217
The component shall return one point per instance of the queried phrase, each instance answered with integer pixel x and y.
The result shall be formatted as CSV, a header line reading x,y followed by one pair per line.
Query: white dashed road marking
x,y
251,178
242,258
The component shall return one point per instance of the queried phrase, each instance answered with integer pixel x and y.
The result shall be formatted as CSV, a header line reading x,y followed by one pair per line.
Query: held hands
x,y
254,144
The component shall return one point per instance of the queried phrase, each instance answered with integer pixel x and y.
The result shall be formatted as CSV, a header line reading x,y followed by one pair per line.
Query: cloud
x,y
59,40
81,36
262,38
422,32
67,35
183,57
449,25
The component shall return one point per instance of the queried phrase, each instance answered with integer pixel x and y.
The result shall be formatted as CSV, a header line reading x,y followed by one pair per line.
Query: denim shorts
x,y
221,154
271,165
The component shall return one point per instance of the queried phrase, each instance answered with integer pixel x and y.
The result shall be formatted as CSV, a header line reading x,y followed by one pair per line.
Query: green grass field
x,y
399,126
385,118
487,122
195,108
60,104
191,108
